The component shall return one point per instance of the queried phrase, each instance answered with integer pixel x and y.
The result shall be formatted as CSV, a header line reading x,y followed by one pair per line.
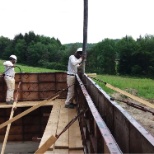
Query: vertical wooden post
x,y
9,125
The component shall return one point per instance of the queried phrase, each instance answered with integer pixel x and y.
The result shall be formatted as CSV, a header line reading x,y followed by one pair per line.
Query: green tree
x,y
4,43
126,48
101,58
21,51
144,56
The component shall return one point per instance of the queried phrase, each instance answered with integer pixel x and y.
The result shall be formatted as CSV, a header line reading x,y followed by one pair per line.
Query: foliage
x,y
126,47
124,56
101,58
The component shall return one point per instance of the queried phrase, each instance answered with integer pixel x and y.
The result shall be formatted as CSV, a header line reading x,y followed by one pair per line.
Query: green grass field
x,y
143,86
27,69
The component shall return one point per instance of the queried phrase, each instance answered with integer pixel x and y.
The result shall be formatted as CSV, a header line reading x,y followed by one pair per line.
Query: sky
x,y
63,19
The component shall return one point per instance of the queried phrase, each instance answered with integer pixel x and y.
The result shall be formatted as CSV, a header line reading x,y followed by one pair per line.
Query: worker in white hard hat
x,y
9,75
72,68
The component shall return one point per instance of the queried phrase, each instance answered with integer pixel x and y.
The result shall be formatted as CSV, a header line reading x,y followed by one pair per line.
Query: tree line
x,y
124,56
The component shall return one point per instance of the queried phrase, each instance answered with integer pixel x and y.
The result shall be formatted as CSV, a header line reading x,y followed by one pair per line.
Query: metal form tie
x,y
70,123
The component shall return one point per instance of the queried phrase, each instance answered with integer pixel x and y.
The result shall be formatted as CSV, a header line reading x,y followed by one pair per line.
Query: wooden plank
x,y
27,111
61,151
62,141
9,125
76,152
49,152
51,140
58,151
52,124
75,140
26,104
131,96
91,74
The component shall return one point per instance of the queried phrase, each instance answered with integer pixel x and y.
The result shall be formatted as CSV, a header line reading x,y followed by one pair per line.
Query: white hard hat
x,y
79,49
13,57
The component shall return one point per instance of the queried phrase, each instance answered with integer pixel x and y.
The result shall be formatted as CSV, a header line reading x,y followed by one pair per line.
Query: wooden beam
x,y
131,96
9,125
51,127
25,104
62,142
7,130
91,74
51,140
26,112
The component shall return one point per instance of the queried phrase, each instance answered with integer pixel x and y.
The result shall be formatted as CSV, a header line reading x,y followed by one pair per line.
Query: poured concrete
x,y
21,147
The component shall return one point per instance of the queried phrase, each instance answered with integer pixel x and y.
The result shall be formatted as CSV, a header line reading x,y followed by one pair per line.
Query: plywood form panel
x,y
28,120
49,86
12,137
61,86
50,77
29,86
31,128
121,130
61,77
15,130
26,77
28,126
46,94
2,131
29,96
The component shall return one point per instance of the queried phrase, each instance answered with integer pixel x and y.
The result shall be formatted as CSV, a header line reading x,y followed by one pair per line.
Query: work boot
x,y
9,102
12,101
71,106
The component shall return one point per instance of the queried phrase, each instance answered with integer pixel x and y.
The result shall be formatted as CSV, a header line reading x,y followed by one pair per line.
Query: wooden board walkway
x,y
70,141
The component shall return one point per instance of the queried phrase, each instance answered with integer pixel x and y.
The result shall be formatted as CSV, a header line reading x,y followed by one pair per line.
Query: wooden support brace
x,y
50,141
9,125
26,112
7,130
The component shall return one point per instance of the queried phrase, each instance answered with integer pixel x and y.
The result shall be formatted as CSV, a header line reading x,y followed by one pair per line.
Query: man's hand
x,y
83,56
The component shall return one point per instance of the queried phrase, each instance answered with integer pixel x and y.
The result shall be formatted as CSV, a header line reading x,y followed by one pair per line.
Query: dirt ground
x,y
146,119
